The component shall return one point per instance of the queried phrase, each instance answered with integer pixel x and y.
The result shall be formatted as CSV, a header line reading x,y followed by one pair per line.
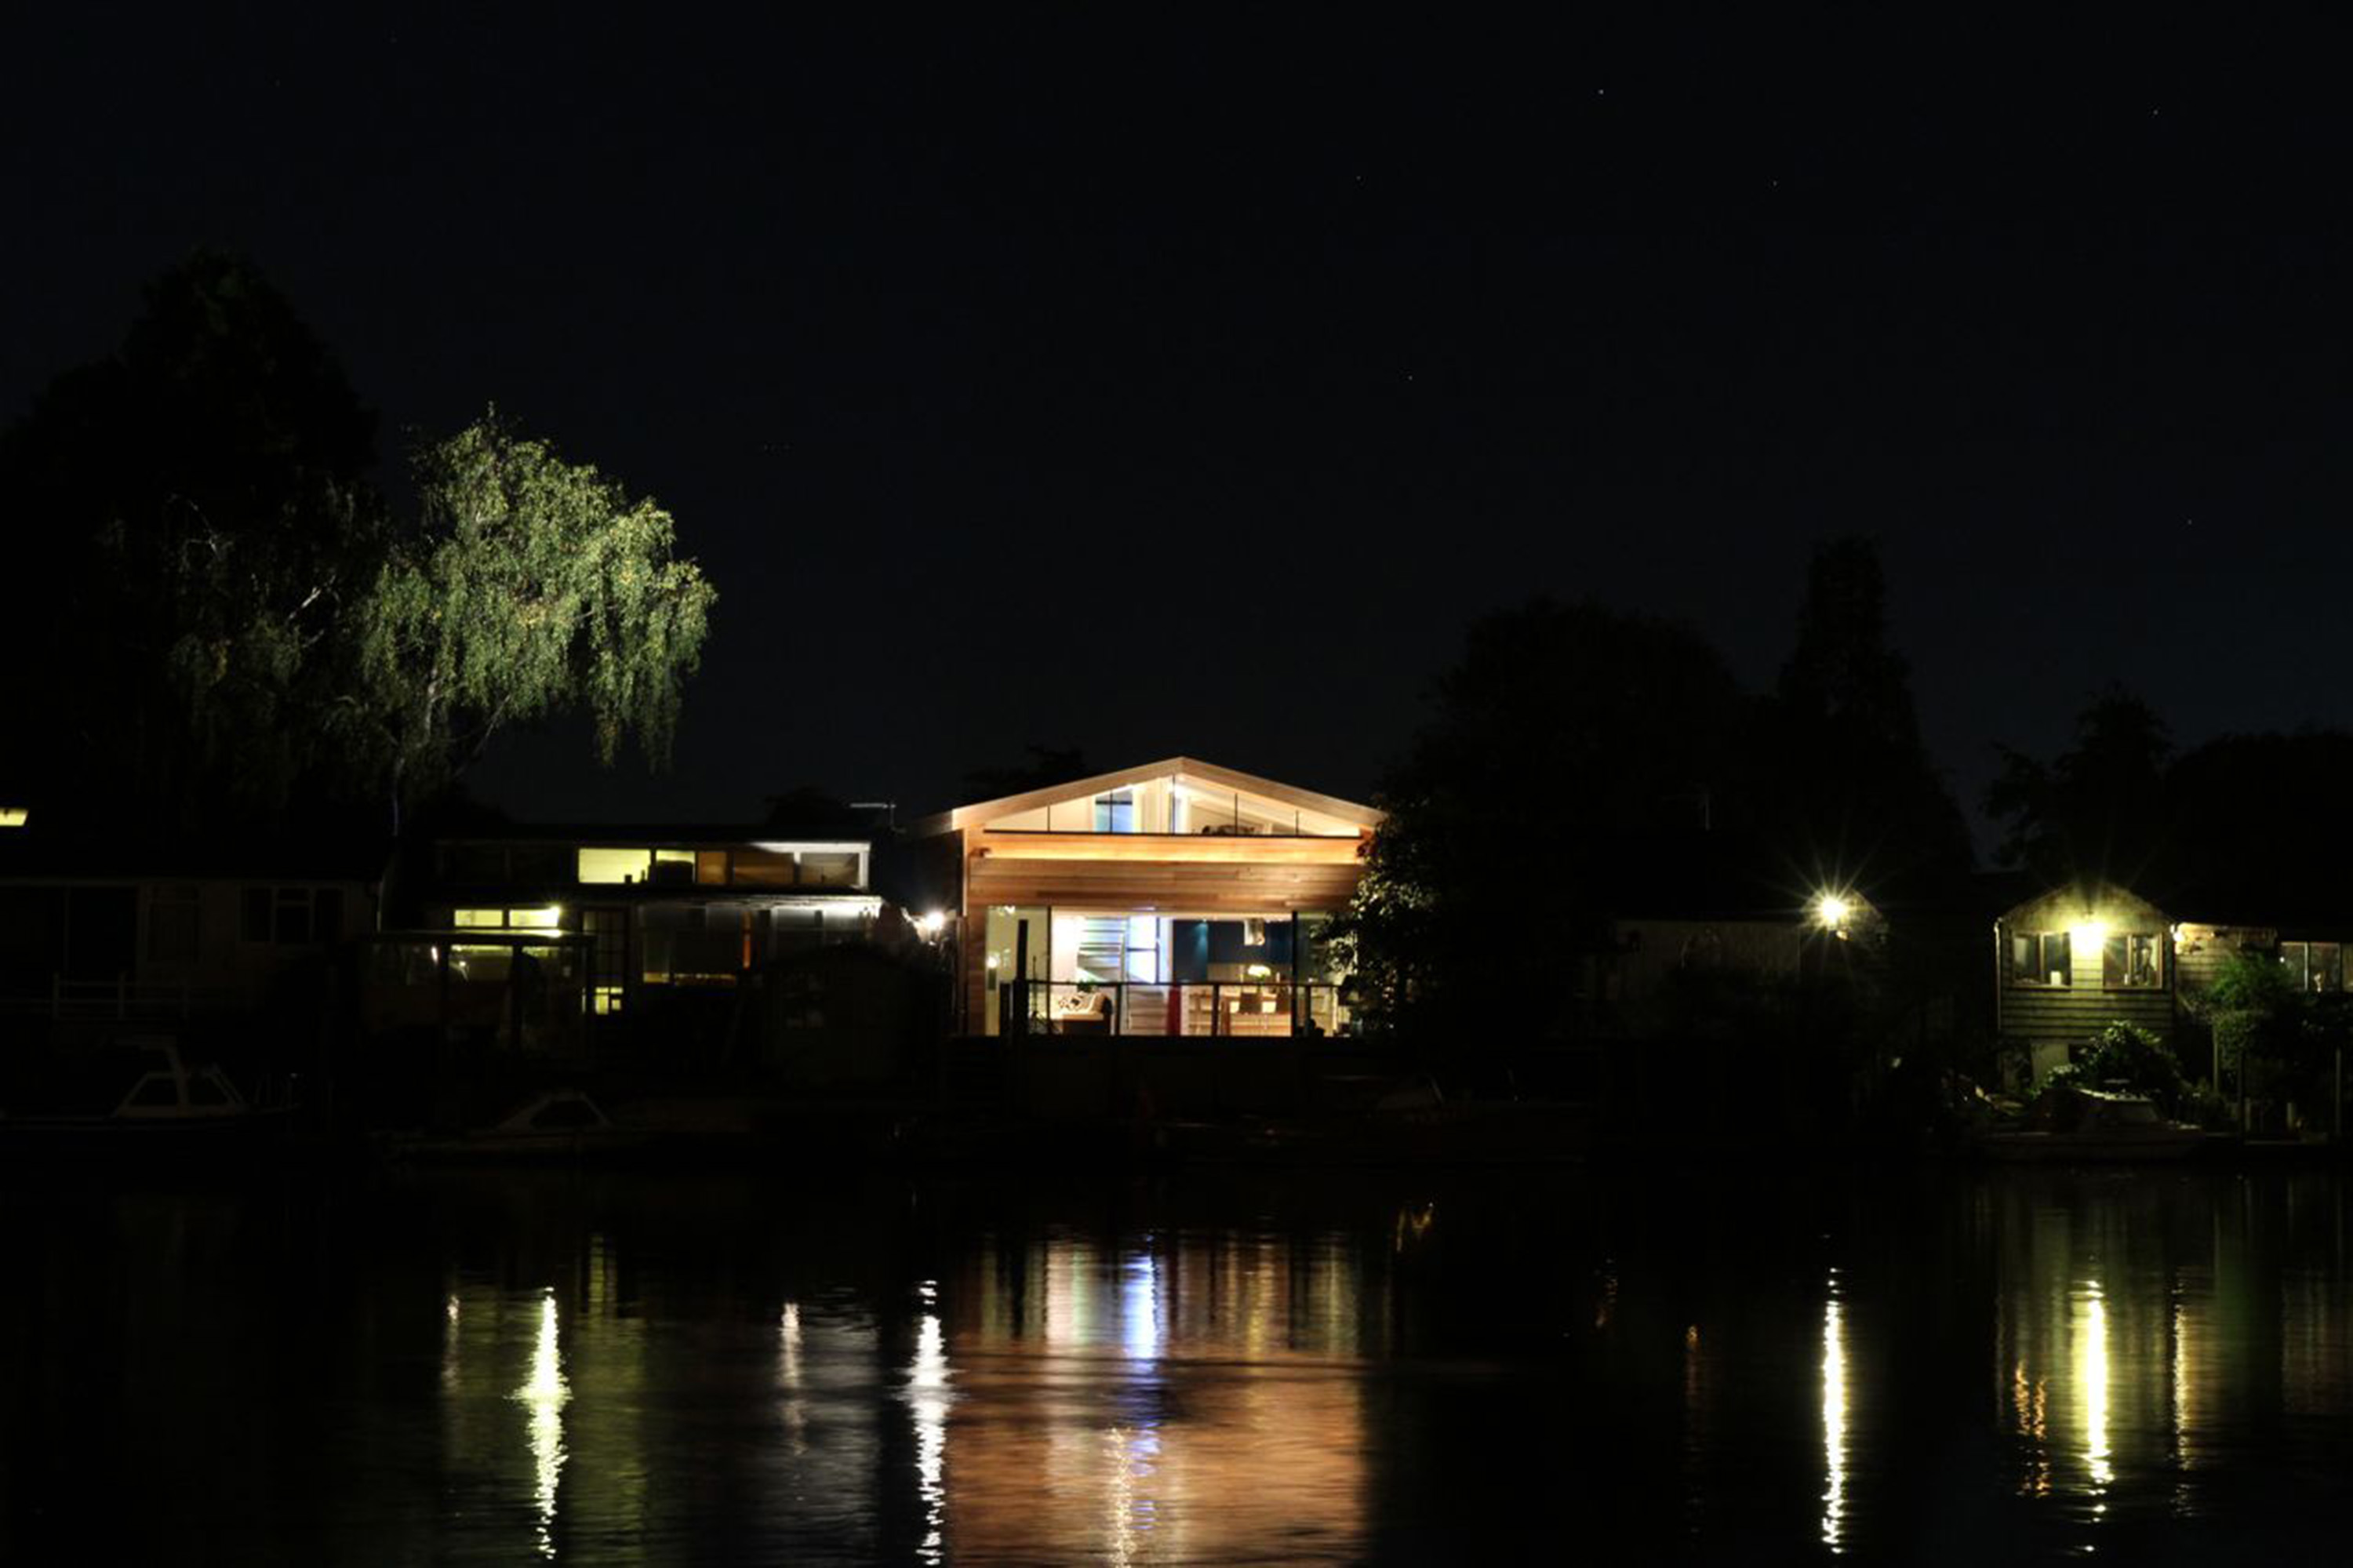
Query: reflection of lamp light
x,y
1253,932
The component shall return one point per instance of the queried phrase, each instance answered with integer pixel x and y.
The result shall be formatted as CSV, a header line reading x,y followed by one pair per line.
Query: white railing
x,y
126,999
1225,1009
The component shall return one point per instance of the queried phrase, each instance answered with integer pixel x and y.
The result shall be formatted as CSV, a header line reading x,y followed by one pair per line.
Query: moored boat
x,y
2107,1126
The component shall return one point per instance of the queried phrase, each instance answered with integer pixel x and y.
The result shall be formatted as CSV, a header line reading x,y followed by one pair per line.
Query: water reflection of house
x,y
1186,1401
1174,898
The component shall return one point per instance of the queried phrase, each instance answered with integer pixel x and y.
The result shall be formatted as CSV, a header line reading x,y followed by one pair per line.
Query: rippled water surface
x,y
1726,1365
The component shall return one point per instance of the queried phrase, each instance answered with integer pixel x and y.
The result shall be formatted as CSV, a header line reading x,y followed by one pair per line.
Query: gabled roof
x,y
982,812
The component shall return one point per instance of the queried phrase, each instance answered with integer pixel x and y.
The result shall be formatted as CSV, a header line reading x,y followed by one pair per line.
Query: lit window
x,y
1115,812
2128,960
2314,965
2039,958
613,865
508,919
15,816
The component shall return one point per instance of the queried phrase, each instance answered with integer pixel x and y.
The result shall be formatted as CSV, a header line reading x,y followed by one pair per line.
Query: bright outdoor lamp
x,y
1830,911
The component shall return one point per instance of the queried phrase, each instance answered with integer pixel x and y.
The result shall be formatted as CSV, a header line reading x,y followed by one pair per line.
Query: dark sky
x,y
1187,386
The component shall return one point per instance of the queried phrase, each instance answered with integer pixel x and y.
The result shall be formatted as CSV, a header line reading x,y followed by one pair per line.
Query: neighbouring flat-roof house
x,y
1172,899
658,910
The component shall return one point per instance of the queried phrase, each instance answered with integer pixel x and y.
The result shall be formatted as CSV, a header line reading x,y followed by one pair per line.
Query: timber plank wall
x,y
1203,875
2075,1011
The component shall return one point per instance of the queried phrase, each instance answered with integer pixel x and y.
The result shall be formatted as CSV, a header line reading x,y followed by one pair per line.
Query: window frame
x,y
2039,978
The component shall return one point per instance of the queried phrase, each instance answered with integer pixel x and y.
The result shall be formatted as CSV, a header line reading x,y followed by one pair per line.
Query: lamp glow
x,y
2089,936
932,924
1830,911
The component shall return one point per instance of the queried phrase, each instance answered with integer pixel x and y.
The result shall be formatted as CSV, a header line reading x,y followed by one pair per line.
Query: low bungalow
x,y
119,927
2075,959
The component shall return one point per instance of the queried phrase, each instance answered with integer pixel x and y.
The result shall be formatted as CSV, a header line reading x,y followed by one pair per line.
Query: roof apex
x,y
979,813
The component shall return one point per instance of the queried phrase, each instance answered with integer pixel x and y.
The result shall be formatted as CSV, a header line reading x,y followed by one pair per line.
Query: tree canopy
x,y
190,515
2238,826
528,585
221,618
1854,782
1567,742
1582,763
2096,811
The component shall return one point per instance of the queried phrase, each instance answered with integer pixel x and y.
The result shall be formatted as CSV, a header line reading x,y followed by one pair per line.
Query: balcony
x,y
1220,1009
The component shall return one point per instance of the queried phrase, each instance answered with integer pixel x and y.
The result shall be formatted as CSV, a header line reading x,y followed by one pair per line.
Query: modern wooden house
x,y
2070,961
1173,899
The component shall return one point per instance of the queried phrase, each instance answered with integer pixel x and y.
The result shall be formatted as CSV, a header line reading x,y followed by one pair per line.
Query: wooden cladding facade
x,y
2031,1009
1200,875
1239,876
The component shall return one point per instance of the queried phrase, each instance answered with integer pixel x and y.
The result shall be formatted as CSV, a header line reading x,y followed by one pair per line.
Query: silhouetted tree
x,y
219,615
1047,767
806,806
1566,745
2096,811
1857,798
188,519
2253,825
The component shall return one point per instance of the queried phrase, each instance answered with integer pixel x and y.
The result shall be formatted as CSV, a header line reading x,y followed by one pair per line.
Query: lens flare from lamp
x,y
1830,911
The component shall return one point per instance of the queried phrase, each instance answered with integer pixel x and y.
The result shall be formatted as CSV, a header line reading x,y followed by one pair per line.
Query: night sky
x,y
1187,387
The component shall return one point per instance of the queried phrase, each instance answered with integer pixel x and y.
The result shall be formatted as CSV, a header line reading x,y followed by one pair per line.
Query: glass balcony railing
x,y
1220,1009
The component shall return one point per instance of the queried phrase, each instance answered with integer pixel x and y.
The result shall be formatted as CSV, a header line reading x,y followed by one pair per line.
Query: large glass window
x,y
613,865
1115,812
2314,965
2039,958
765,868
826,870
1018,941
1144,949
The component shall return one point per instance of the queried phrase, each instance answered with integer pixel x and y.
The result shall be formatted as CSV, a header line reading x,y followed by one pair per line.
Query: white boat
x,y
172,1105
560,1123
2108,1126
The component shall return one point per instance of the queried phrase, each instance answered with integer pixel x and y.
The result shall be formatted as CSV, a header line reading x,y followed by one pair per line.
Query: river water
x,y
1723,1365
